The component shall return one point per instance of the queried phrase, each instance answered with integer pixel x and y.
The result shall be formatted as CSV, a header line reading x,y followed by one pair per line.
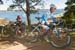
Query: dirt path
x,y
37,46
22,45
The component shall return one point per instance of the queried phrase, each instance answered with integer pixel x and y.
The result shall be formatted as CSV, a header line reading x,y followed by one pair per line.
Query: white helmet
x,y
52,5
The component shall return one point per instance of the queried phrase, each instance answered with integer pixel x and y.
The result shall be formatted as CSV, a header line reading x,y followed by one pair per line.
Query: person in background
x,y
18,20
18,24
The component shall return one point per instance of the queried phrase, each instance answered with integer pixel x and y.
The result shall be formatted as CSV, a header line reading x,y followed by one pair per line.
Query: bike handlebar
x,y
38,18
53,23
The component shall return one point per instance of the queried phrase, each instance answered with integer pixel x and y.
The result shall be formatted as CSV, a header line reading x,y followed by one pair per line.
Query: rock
x,y
3,22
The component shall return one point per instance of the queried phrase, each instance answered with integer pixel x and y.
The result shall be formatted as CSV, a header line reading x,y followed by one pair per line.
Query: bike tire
x,y
66,43
32,37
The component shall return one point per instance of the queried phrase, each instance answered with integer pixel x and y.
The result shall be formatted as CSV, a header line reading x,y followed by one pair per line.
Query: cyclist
x,y
48,18
18,20
18,24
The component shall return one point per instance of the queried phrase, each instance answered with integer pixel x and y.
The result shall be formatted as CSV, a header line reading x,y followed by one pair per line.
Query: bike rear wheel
x,y
32,37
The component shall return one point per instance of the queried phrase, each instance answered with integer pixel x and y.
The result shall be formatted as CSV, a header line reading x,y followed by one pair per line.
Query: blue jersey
x,y
45,17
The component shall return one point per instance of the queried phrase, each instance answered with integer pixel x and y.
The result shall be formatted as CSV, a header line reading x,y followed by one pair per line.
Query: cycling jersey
x,y
45,17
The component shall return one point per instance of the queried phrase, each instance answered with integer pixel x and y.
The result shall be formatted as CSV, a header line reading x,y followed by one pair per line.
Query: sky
x,y
60,4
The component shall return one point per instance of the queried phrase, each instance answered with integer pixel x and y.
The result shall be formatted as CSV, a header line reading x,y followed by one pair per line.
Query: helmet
x,y
18,17
52,5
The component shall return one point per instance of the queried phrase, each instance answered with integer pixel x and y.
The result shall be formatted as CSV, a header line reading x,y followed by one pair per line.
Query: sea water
x,y
12,15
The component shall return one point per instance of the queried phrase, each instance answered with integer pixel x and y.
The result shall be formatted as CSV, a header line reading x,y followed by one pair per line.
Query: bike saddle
x,y
38,18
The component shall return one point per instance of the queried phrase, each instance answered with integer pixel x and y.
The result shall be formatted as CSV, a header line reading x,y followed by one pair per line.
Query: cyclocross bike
x,y
57,36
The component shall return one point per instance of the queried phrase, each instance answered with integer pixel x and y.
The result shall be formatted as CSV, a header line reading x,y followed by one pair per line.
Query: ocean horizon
x,y
11,15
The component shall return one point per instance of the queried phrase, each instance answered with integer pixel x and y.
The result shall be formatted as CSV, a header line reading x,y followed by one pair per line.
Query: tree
x,y
69,14
1,2
30,4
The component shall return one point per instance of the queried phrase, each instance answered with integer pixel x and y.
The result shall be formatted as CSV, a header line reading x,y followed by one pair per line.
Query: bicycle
x,y
56,36
5,31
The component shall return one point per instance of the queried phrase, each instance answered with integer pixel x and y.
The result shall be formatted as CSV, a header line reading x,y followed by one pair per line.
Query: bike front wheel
x,y
61,39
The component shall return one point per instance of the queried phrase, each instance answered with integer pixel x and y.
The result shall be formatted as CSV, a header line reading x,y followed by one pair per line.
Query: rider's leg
x,y
45,28
47,33
18,32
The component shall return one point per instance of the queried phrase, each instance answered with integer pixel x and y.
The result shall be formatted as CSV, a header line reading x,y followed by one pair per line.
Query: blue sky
x,y
60,4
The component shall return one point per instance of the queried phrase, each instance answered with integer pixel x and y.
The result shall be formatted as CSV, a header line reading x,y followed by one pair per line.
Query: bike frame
x,y
36,28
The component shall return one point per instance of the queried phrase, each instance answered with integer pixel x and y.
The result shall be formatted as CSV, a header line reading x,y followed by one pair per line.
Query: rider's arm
x,y
44,17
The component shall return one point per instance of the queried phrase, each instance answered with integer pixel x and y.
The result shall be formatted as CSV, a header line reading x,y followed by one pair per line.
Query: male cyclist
x,y
50,17
18,20
18,24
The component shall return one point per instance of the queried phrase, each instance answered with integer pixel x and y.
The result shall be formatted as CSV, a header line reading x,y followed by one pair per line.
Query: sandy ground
x,y
22,45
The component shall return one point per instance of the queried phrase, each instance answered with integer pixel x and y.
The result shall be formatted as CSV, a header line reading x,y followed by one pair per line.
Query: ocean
x,y
11,15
